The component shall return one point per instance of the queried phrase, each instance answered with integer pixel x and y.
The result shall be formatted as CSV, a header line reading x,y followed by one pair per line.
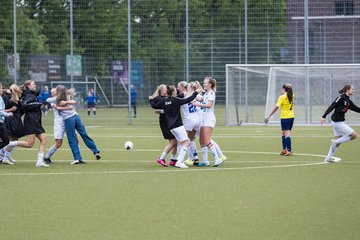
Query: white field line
x,y
168,170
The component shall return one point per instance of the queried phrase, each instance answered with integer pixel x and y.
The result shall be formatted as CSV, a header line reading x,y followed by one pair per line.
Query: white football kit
x,y
59,125
190,117
208,117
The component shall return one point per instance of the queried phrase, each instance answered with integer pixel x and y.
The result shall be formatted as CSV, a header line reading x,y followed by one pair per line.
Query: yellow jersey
x,y
287,108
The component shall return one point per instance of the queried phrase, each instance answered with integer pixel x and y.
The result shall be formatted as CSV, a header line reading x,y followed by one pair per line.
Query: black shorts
x,y
165,129
91,105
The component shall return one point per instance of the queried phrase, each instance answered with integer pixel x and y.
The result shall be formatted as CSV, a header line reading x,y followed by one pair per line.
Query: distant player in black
x,y
343,133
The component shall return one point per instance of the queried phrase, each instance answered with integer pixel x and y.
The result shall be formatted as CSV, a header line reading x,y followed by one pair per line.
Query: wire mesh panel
x,y
314,86
166,41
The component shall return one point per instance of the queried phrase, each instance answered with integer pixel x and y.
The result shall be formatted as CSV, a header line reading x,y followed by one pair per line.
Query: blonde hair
x,y
26,84
157,91
63,94
212,81
184,84
195,86
15,93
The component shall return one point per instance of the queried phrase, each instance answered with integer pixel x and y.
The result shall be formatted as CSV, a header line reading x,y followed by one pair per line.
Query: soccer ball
x,y
128,145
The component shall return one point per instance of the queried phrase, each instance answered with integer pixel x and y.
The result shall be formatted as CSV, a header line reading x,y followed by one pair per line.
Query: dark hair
x,y
289,91
345,89
170,90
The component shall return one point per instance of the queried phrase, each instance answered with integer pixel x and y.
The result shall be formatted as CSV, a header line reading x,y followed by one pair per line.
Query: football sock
x,y
218,150
88,113
40,156
51,151
342,139
190,153
12,143
194,151
182,154
163,155
204,154
7,154
94,113
331,152
178,148
288,143
213,150
283,142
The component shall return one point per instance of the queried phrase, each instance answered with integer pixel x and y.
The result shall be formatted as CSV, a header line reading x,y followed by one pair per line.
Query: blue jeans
x,y
74,123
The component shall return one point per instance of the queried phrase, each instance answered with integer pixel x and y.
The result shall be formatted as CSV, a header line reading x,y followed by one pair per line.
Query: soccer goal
x,y
252,90
81,89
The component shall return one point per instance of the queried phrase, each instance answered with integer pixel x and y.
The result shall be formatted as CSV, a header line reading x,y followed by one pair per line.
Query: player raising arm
x,y
342,132
171,106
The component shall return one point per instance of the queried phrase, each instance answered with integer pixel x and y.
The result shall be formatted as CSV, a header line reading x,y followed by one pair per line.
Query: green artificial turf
x,y
255,194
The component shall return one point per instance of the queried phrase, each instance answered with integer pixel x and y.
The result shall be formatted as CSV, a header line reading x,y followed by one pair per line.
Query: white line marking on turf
x,y
183,170
162,171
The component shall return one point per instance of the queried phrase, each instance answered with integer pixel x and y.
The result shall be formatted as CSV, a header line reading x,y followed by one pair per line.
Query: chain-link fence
x,y
168,41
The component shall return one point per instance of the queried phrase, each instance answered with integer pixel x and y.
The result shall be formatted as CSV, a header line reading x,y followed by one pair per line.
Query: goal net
x,y
252,90
81,89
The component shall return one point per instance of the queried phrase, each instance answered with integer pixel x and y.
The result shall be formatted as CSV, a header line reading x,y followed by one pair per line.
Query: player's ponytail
x,y
345,89
26,84
289,91
212,82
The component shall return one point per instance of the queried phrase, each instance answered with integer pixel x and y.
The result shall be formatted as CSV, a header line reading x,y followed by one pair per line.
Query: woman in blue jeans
x,y
73,123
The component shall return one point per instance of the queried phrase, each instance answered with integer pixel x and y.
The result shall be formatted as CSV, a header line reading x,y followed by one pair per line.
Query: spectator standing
x,y
133,96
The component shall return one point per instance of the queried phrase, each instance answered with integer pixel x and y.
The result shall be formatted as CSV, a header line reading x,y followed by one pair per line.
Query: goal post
x,y
252,90
81,89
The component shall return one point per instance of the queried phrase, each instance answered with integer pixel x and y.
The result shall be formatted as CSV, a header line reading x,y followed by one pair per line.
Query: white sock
x,y
218,150
40,156
331,152
190,153
194,150
343,139
163,155
12,144
7,154
51,151
178,148
182,154
204,154
173,156
213,151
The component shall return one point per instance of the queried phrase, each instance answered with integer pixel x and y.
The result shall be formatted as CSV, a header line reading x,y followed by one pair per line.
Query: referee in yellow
x,y
286,103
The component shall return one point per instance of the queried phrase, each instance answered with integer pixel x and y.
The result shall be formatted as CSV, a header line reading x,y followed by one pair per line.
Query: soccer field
x,y
255,194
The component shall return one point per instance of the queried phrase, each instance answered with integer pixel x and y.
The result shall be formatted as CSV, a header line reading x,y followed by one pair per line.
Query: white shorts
x,y
209,120
180,134
191,124
59,129
341,129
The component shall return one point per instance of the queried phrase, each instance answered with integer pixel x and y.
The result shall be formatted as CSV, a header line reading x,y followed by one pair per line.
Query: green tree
x,y
29,37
